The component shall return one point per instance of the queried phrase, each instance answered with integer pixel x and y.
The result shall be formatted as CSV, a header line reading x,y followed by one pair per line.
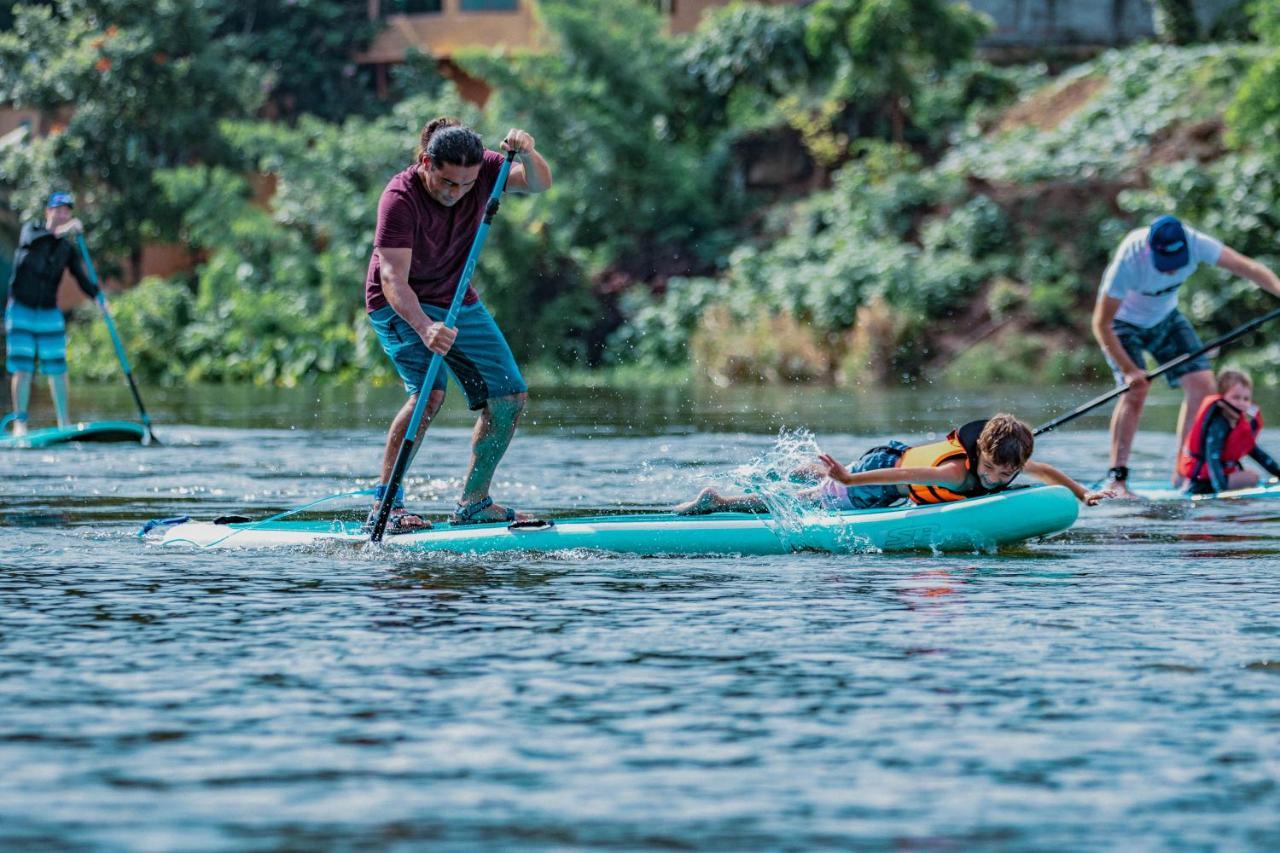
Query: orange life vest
x,y
960,443
1242,439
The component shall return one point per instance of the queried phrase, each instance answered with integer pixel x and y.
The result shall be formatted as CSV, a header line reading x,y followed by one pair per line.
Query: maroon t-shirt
x,y
440,237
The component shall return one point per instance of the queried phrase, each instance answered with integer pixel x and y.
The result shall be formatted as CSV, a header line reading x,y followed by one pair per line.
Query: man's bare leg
x,y
58,390
1195,387
395,437
1124,426
20,386
489,442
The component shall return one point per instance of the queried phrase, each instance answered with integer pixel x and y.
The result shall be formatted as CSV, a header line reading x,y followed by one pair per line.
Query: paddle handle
x,y
1234,334
405,454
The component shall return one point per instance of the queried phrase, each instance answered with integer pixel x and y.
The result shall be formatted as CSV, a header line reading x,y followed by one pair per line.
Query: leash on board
x,y
182,519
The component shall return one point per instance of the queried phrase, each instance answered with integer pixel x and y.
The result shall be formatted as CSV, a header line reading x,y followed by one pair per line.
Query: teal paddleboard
x,y
977,523
94,431
1156,490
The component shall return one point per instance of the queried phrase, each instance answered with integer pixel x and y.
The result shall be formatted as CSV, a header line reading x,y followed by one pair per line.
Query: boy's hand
x,y
1094,498
834,469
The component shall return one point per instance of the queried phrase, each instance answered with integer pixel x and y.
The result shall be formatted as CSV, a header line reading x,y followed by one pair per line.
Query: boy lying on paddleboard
x,y
1225,430
979,458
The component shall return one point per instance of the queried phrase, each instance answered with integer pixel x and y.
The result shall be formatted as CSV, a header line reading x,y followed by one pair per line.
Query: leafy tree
x,y
1175,21
636,183
304,51
141,85
882,52
745,55
1254,116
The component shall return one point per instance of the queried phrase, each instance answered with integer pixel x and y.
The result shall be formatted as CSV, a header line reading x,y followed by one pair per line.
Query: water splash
x,y
779,477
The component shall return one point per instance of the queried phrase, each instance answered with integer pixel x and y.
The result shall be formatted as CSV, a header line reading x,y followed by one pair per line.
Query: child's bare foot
x,y
707,501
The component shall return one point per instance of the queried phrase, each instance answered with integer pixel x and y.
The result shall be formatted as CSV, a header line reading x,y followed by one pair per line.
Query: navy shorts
x,y
1166,340
839,496
480,360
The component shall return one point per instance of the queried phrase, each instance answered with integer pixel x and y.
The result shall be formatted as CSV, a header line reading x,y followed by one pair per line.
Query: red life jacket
x,y
1242,439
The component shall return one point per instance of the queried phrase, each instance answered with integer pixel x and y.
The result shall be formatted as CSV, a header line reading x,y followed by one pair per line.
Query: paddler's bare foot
x,y
707,501
399,521
1118,490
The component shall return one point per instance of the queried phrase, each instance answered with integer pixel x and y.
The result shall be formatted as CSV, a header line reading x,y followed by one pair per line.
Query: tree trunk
x,y
135,265
897,119
1175,21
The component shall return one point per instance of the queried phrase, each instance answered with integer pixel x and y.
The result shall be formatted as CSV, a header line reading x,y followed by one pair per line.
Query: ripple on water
x,y
1111,684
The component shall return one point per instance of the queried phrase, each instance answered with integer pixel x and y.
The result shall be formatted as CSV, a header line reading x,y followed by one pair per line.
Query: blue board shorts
x,y
480,360
33,334
839,496
1166,340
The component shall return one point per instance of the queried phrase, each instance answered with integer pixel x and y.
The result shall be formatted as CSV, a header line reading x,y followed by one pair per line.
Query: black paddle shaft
x,y
137,398
1164,368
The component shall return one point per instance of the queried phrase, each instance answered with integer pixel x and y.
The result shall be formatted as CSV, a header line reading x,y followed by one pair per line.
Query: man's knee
x,y
1198,383
1134,398
434,401
506,409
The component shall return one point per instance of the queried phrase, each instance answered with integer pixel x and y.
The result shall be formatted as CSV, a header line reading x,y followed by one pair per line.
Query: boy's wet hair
x,y
1230,377
1006,441
451,144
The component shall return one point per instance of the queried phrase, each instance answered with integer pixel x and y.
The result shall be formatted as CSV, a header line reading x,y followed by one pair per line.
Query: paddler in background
x,y
35,330
1137,312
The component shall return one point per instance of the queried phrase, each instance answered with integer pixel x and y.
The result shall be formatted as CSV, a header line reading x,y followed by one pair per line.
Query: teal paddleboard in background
x,y
1161,491
93,431
973,524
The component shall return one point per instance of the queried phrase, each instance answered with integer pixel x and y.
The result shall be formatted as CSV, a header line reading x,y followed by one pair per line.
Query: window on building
x,y
490,5
411,7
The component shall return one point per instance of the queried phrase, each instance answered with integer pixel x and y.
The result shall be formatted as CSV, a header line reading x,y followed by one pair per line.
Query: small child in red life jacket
x,y
1225,431
979,458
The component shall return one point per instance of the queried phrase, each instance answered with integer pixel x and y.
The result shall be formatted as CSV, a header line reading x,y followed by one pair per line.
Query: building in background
x,y
440,28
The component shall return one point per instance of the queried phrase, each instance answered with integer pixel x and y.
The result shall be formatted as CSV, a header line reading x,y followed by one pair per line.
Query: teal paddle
x,y
405,454
1164,368
115,339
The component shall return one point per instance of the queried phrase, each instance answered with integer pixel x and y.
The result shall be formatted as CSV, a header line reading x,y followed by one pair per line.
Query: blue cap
x,y
1168,241
59,199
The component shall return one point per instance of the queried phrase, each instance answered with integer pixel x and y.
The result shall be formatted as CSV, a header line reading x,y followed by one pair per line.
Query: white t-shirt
x,y
1148,295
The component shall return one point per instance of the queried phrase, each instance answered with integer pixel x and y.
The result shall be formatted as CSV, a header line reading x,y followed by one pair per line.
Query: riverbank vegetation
x,y
840,192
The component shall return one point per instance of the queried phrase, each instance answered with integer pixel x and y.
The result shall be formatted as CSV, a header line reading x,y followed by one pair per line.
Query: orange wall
x,y
443,33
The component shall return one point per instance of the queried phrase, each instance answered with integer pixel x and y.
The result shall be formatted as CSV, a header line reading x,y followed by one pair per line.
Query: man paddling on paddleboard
x,y
427,219
35,330
1137,312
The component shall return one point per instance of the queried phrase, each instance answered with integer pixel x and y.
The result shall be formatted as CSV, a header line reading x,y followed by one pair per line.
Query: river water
x,y
1117,686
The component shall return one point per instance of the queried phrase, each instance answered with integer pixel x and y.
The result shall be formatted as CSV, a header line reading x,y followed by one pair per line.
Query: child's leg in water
x,y
709,501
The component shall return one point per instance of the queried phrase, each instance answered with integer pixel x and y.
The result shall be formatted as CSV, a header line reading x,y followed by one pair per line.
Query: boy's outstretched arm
x,y
1046,473
946,474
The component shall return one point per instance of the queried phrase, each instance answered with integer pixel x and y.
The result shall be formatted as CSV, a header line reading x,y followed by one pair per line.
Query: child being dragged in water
x,y
1224,432
979,458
